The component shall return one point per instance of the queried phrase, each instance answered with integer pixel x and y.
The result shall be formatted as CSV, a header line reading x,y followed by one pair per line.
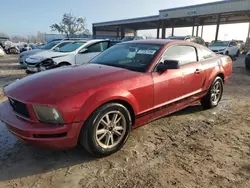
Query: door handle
x,y
197,71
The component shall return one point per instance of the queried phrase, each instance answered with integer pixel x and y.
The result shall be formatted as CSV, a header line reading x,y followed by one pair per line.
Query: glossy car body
x,y
148,95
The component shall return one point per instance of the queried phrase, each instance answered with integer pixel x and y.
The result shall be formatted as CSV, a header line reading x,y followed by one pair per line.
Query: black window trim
x,y
160,58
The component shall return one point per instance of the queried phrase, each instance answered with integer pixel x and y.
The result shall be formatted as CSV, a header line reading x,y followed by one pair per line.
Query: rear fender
x,y
101,97
218,69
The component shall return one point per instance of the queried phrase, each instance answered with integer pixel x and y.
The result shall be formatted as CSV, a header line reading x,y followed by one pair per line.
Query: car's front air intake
x,y
19,107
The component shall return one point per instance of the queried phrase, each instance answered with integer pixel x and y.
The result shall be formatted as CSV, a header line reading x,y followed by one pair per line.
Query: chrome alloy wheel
x,y
216,92
111,129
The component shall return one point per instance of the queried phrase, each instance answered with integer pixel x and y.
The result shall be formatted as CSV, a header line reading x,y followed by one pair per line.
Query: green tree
x,y
71,25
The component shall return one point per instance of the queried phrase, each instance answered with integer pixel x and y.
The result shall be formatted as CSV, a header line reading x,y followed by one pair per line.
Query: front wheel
x,y
238,53
106,130
213,96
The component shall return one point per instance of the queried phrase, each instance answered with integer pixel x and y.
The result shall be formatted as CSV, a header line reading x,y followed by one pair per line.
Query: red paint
x,y
77,91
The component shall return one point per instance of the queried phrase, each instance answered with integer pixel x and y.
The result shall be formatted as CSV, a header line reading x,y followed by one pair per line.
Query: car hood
x,y
45,55
53,86
217,47
31,52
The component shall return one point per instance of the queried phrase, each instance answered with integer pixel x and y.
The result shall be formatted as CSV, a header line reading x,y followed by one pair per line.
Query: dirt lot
x,y
192,148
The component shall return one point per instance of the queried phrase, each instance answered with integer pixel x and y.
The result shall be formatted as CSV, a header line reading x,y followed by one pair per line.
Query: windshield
x,y
127,39
50,45
135,57
70,47
220,43
58,46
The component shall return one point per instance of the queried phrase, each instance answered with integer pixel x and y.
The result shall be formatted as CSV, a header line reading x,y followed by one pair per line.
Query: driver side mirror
x,y
82,51
168,64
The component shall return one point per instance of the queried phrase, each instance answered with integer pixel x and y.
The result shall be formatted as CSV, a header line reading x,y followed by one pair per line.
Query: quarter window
x,y
204,54
183,54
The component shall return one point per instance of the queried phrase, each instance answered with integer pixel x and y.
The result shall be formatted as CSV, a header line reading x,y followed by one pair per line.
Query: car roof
x,y
150,41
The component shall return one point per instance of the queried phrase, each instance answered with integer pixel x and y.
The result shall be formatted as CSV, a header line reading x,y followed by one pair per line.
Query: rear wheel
x,y
106,130
213,96
247,65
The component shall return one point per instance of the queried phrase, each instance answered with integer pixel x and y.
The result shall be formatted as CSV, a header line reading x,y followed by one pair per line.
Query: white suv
x,y
226,48
75,53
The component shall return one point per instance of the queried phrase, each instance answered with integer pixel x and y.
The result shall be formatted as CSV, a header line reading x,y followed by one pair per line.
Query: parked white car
x,y
226,48
75,53
50,46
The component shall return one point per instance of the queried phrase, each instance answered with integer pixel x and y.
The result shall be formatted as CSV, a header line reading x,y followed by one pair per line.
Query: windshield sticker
x,y
147,52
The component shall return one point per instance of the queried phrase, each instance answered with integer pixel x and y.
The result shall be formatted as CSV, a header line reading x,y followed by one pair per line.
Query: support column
x,y
118,32
201,31
217,27
122,32
193,26
135,33
172,31
94,32
163,32
197,31
158,30
248,35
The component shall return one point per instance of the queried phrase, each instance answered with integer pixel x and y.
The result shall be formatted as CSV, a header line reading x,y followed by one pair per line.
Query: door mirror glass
x,y
82,51
168,64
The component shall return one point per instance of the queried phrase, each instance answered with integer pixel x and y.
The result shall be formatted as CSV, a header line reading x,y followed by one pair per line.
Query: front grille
x,y
19,108
215,50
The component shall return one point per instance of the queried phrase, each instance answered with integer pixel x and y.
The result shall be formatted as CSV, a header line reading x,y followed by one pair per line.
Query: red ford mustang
x,y
126,86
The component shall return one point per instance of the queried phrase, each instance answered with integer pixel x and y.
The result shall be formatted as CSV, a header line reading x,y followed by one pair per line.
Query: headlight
x,y
48,114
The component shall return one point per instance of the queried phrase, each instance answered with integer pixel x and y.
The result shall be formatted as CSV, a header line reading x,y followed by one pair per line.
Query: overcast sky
x,y
29,16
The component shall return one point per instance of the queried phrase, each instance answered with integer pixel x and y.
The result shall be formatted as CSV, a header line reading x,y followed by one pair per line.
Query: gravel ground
x,y
192,148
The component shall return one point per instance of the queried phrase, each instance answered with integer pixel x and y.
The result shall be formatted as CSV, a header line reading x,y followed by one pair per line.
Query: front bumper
x,y
40,134
42,66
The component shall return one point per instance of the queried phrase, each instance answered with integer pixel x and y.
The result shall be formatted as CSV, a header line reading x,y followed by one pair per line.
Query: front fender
x,y
103,96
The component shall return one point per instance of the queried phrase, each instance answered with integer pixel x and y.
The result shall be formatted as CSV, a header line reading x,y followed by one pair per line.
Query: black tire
x,y
227,53
238,53
64,64
88,136
28,72
247,65
207,101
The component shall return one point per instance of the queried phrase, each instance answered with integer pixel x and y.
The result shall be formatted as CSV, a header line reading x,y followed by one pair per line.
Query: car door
x,y
192,71
174,86
89,52
168,86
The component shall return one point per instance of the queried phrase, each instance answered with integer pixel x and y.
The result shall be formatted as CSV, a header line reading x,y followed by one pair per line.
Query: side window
x,y
95,48
183,54
232,44
204,54
98,47
105,45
